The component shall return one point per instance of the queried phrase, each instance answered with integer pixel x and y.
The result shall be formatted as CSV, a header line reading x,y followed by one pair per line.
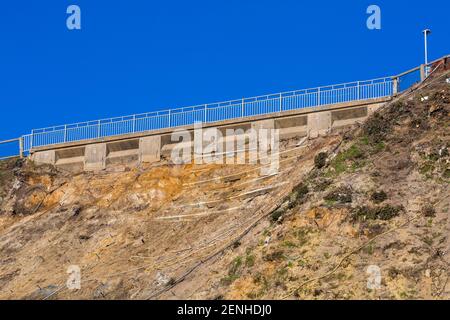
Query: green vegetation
x,y
341,195
446,174
371,147
427,168
364,140
264,284
354,152
233,272
278,280
378,196
428,240
249,260
236,267
276,255
322,184
369,249
376,128
428,210
379,146
289,244
320,160
355,157
385,212
352,156
408,295
302,235
297,196
275,215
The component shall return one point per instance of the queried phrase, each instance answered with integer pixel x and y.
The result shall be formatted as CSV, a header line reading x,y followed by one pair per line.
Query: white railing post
x,y
318,96
243,102
21,147
134,123
98,129
65,133
281,102
169,118
422,72
31,139
204,116
395,86
357,90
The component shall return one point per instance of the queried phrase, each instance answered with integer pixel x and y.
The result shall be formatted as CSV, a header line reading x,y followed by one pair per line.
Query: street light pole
x,y
426,32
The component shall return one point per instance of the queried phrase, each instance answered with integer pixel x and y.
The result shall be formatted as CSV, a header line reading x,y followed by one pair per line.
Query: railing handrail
x,y
211,105
223,110
21,147
418,67
9,140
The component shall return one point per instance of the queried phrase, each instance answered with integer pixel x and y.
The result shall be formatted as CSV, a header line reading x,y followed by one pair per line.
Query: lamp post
x,y
426,32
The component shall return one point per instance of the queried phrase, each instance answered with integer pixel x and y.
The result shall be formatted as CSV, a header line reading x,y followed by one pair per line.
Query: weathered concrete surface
x,y
95,157
231,122
125,152
291,127
263,124
374,107
44,157
150,149
319,124
346,117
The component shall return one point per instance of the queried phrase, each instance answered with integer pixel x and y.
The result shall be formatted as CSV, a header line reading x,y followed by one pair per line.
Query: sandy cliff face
x,y
375,196
373,218
132,232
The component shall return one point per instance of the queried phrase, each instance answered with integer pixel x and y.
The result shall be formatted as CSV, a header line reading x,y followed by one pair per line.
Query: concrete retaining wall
x,y
44,157
151,147
95,157
319,124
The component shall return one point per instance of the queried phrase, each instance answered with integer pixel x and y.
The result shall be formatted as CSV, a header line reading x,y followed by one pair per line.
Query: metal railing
x,y
408,79
9,148
212,112
234,109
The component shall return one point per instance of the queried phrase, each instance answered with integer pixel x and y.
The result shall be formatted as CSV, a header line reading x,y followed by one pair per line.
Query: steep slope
x,y
376,195
372,219
132,233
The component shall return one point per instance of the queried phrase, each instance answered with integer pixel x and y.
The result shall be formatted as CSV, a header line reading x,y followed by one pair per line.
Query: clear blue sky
x,y
138,55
